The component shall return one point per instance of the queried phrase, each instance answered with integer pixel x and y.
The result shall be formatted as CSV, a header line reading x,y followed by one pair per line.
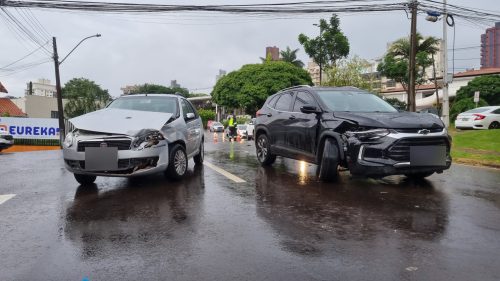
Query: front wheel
x,y
329,161
263,149
178,162
198,159
84,179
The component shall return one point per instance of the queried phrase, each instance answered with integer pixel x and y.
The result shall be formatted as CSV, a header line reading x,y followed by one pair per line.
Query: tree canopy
x,y
395,64
290,56
330,46
83,96
159,89
250,86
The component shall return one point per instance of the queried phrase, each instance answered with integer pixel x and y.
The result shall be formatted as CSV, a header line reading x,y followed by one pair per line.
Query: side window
x,y
303,99
284,102
496,111
187,108
272,101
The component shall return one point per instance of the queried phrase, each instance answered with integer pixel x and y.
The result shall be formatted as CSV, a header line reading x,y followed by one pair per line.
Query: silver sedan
x,y
135,135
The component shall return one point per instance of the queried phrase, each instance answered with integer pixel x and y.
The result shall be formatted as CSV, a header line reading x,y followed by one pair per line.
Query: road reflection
x,y
307,213
138,213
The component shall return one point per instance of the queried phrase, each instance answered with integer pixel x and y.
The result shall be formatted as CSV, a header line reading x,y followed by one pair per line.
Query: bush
x,y
206,115
462,105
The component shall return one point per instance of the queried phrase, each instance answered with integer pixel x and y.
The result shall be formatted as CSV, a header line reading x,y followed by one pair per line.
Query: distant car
x,y
216,127
135,135
486,117
241,131
6,140
251,129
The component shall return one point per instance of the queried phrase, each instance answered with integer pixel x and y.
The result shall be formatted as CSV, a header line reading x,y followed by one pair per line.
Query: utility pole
x,y
446,103
413,53
60,113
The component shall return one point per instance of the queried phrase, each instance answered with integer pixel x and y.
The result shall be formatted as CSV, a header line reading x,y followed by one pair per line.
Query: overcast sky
x,y
192,47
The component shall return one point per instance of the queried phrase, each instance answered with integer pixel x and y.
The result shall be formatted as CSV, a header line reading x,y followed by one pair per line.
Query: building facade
x,y
38,106
41,88
490,47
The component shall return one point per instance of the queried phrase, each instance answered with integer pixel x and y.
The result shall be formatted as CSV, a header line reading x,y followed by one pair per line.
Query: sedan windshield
x,y
352,101
147,103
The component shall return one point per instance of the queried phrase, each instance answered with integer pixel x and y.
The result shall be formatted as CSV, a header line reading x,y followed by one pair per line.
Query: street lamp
x,y
320,50
57,63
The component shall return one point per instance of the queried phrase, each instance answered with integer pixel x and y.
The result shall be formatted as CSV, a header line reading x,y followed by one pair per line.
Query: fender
x,y
338,139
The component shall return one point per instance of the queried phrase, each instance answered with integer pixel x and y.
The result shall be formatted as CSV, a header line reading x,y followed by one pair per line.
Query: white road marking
x,y
223,172
5,198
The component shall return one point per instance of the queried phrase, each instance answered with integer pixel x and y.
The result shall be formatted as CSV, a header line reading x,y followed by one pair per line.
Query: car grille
x,y
400,151
121,144
415,131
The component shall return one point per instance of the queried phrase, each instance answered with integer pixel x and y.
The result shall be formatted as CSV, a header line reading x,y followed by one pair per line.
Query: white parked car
x,y
135,135
486,117
6,140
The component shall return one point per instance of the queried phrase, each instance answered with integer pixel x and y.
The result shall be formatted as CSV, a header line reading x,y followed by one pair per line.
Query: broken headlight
x,y
368,135
149,139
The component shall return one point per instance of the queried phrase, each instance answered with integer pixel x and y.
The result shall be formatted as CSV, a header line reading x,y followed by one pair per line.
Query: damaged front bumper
x,y
399,154
128,159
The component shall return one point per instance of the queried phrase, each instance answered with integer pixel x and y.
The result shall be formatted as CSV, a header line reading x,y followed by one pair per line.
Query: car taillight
x,y
258,113
479,117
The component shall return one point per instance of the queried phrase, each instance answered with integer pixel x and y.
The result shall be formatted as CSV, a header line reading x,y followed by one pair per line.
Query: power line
x,y
22,58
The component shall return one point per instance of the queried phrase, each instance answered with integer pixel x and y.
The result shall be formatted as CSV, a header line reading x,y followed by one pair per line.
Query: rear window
x,y
242,127
477,110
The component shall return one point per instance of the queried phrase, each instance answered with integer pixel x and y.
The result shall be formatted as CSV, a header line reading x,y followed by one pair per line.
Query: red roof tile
x,y
476,72
7,107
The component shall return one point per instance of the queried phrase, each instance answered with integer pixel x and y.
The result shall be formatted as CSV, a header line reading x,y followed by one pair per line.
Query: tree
x,y
159,89
83,96
349,72
395,64
250,86
330,46
291,56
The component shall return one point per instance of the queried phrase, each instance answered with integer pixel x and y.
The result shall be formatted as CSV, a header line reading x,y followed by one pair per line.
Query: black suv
x,y
351,128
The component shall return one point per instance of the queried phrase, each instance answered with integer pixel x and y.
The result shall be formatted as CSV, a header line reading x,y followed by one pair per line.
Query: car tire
x,y
327,170
178,162
198,159
417,176
84,179
494,125
263,150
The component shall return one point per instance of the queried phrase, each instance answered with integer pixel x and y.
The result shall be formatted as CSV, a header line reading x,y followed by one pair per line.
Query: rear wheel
x,y
329,161
419,175
84,179
198,159
178,162
494,125
263,149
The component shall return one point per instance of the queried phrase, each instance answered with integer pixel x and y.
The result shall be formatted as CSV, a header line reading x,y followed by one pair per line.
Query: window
x,y
272,101
391,83
352,101
146,103
303,99
54,114
187,108
496,111
284,101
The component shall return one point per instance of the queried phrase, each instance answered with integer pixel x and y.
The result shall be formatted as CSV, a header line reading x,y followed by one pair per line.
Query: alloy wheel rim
x,y
262,149
180,162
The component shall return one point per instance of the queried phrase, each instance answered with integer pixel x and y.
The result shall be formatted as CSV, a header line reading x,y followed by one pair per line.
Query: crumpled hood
x,y
393,120
120,121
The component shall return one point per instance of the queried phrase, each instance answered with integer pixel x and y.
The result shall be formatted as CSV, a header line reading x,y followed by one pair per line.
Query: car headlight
x,y
149,139
68,141
374,134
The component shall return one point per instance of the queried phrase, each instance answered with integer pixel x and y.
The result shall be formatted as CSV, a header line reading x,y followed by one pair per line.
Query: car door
x,y
302,127
193,131
280,119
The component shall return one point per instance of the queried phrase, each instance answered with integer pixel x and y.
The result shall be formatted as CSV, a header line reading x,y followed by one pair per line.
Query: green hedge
x,y
36,142
206,115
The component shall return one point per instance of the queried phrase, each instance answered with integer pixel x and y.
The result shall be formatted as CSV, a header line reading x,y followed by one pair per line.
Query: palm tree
x,y
291,56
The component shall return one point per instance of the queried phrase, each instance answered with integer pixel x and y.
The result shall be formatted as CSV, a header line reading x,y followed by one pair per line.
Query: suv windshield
x,y
146,103
353,101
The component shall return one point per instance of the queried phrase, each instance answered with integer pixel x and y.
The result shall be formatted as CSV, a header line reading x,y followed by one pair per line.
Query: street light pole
x,y
446,103
320,51
57,63
413,53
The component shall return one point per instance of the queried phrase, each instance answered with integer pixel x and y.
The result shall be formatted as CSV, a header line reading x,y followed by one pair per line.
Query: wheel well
x,y
258,133
322,145
170,145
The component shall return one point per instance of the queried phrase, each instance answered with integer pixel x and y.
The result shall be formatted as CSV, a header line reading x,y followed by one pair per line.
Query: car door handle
x,y
292,117
269,115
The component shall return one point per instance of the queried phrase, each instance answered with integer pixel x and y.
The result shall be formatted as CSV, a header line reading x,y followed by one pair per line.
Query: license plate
x,y
465,119
101,158
428,155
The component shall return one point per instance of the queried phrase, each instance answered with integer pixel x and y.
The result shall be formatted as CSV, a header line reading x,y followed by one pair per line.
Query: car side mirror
x,y
190,115
309,109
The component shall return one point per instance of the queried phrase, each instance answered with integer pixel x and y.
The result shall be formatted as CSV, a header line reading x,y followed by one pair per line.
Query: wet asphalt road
x,y
281,224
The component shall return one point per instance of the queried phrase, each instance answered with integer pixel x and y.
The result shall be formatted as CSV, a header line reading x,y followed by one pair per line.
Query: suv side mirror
x,y
309,109
190,115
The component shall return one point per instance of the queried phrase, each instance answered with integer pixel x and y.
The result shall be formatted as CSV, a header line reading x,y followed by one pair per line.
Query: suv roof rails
x,y
294,87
